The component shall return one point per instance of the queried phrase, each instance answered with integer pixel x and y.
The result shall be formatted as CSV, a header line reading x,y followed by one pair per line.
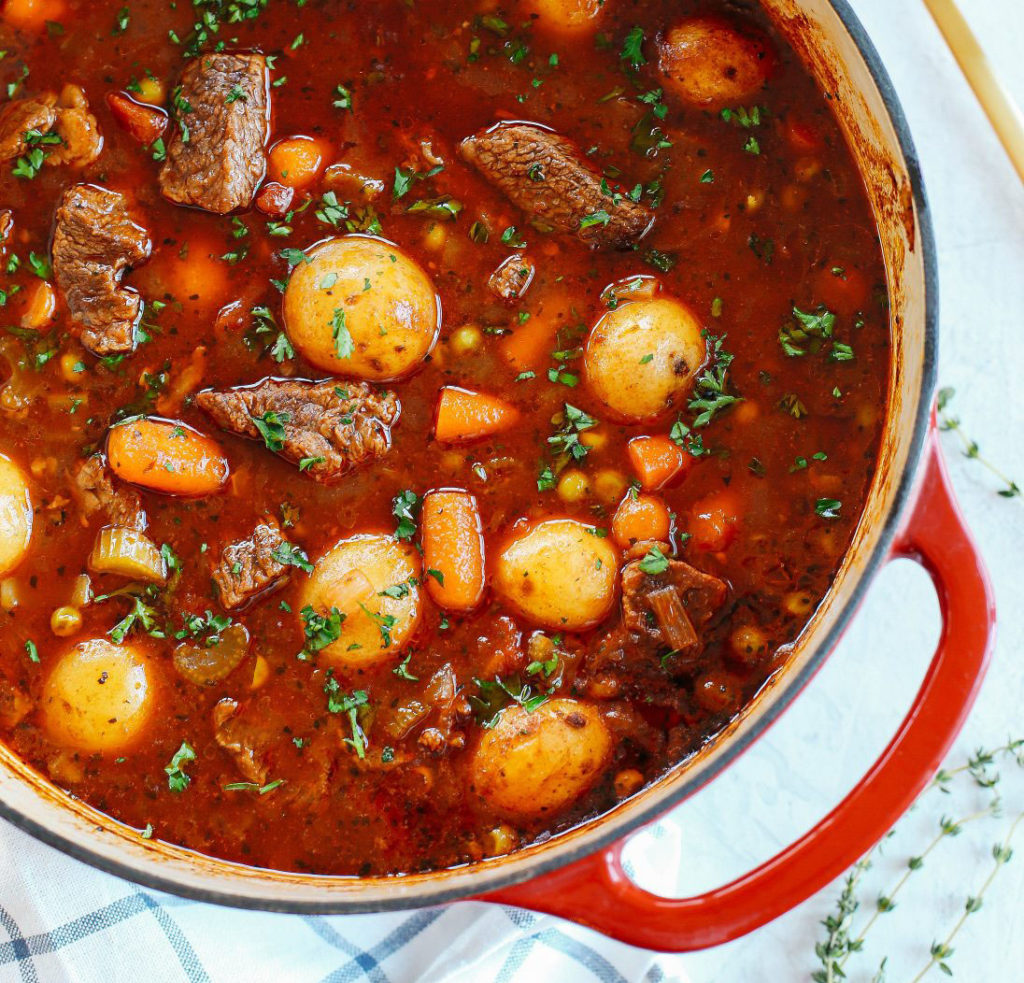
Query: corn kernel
x,y
573,486
435,237
503,839
594,440
746,412
151,90
72,367
798,603
260,672
749,644
627,781
755,200
66,621
610,485
466,340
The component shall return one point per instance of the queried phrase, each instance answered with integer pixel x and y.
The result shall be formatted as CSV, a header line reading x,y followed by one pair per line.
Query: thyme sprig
x,y
841,941
970,447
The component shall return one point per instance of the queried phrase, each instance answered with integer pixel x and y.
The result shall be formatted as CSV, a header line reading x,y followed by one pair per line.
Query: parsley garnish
x,y
177,779
271,428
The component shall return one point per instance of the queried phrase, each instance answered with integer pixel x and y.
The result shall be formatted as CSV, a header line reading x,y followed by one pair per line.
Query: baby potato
x,y
361,307
708,61
565,15
534,763
15,515
559,574
353,577
98,697
641,358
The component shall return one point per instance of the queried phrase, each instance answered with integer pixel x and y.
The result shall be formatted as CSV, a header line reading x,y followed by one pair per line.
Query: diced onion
x,y
10,596
128,553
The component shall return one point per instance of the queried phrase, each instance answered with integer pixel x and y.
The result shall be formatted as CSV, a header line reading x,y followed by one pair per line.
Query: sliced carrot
x,y
844,291
296,161
144,123
657,460
32,14
641,518
166,456
453,549
463,415
529,345
713,521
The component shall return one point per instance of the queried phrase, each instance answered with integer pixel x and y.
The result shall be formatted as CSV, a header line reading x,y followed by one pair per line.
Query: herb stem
x,y
943,950
971,449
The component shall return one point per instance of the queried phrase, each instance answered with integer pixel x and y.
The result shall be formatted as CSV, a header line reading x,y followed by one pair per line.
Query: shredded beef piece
x,y
696,596
249,568
95,491
546,176
66,115
94,242
216,158
81,141
19,117
244,743
511,279
334,425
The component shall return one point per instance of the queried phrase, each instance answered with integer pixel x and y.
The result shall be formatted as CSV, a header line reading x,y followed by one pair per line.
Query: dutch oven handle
x,y
597,892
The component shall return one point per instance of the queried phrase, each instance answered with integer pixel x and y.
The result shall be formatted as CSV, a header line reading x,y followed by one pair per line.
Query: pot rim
x,y
511,873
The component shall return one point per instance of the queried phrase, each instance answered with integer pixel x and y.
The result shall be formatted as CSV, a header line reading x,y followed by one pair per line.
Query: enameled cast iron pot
x,y
910,512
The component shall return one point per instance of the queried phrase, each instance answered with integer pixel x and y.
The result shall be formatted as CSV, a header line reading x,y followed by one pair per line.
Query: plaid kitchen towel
x,y
63,922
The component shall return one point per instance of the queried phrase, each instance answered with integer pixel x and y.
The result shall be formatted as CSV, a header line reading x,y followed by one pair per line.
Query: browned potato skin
x,y
534,764
710,62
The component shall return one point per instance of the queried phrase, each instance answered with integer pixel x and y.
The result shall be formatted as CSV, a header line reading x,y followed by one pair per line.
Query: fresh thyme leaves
x,y
177,778
971,449
842,940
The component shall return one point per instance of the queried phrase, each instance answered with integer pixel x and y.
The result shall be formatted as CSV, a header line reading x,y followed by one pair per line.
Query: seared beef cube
x,y
547,177
242,738
249,568
94,242
668,609
216,158
94,490
326,427
510,280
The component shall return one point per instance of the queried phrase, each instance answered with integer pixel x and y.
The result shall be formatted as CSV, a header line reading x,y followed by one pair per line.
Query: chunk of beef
x,y
216,158
249,568
510,280
667,609
547,177
66,116
246,744
36,114
94,489
80,139
94,242
329,427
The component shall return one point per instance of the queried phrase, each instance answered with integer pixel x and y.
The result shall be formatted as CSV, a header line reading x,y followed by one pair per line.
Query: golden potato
x,y
709,61
641,358
565,15
535,763
98,697
352,577
15,515
361,307
559,574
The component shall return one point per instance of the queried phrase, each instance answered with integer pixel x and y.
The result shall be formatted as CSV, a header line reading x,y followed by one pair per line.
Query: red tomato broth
x,y
409,79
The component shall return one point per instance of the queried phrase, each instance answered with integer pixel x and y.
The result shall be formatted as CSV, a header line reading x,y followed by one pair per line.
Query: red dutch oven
x,y
910,513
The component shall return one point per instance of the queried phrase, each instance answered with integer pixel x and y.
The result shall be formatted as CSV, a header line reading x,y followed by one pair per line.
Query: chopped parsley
x,y
290,555
177,778
404,507
271,428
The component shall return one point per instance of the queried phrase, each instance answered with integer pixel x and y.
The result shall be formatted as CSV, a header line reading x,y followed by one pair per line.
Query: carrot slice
x,y
296,161
453,549
641,518
657,460
144,123
713,521
166,456
463,415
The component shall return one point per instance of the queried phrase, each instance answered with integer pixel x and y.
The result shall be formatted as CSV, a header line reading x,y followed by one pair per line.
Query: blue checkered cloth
x,y
60,920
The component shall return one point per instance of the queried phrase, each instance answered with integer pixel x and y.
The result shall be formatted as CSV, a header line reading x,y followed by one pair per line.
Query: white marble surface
x,y
814,754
